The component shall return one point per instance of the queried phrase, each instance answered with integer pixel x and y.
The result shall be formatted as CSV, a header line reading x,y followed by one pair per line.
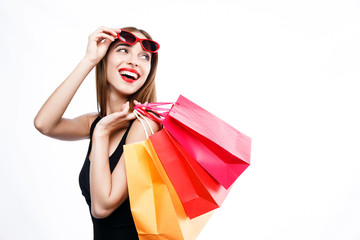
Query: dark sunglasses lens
x,y
150,45
127,37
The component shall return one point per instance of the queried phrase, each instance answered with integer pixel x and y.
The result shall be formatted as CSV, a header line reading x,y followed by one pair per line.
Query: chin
x,y
125,88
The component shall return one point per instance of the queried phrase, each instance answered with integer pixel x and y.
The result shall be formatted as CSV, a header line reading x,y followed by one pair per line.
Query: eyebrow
x,y
123,44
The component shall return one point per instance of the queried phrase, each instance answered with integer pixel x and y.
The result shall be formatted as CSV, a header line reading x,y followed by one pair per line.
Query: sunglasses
x,y
147,44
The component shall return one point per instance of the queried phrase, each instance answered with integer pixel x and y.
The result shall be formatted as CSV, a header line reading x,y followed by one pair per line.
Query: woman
x,y
126,63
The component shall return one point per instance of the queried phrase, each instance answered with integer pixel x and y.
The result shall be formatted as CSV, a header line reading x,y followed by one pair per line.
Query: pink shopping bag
x,y
219,148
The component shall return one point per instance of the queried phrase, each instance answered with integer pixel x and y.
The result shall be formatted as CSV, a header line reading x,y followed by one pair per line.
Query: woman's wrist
x,y
101,132
89,61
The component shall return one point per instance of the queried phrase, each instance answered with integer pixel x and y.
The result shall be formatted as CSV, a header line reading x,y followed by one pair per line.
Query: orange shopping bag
x,y
156,208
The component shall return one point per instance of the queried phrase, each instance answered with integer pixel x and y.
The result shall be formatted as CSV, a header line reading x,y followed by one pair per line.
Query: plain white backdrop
x,y
284,73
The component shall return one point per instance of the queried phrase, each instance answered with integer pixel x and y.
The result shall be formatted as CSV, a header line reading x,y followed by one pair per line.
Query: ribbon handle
x,y
154,111
139,116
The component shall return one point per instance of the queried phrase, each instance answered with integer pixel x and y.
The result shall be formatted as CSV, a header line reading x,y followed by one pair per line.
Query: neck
x,y
114,102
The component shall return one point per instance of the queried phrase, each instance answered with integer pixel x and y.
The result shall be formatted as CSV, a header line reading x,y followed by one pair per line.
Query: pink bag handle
x,y
156,108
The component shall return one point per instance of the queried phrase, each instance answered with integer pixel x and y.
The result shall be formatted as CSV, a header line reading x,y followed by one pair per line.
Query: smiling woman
x,y
126,62
122,47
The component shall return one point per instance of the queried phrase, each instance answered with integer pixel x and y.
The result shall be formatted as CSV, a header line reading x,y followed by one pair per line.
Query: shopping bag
x,y
157,210
197,190
219,148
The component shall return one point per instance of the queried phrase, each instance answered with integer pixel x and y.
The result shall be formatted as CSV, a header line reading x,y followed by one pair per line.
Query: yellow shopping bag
x,y
155,206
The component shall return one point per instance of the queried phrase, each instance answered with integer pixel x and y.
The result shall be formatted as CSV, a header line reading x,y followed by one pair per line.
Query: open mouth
x,y
129,75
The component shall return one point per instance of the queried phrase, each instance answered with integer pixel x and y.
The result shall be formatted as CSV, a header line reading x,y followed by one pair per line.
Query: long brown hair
x,y
147,93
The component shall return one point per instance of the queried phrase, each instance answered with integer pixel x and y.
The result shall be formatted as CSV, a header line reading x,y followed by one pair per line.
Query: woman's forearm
x,y
100,177
53,109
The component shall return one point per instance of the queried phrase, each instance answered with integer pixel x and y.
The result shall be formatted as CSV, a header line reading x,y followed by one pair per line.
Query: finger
x,y
101,36
111,31
123,111
116,30
136,102
125,107
130,116
105,41
119,115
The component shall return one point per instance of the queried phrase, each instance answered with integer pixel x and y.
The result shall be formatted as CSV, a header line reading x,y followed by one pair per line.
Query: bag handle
x,y
139,116
159,112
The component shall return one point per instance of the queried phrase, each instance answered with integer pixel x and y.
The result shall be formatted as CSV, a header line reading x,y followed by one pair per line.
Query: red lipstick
x,y
129,75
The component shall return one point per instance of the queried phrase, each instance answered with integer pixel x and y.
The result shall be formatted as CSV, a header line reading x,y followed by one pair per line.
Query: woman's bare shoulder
x,y
137,131
90,118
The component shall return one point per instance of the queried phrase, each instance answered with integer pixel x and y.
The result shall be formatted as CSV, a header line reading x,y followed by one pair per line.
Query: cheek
x,y
112,60
147,69
111,63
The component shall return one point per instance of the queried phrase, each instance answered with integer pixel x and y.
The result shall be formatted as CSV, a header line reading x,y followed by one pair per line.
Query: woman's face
x,y
128,67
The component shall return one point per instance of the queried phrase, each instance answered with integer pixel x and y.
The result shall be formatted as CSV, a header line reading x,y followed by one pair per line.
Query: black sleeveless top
x,y
119,224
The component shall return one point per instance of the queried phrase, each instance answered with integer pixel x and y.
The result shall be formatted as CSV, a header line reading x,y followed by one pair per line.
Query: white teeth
x,y
134,75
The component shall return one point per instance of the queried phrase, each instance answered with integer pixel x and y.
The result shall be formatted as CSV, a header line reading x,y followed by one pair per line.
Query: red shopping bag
x,y
198,191
219,148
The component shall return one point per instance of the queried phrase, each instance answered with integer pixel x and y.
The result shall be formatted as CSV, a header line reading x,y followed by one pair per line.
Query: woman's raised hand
x,y
99,42
114,121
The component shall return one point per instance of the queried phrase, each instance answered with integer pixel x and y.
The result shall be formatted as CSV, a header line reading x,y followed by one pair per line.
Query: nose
x,y
132,61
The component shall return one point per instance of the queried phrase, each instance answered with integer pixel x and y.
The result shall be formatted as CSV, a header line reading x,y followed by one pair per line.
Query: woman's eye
x,y
123,50
145,57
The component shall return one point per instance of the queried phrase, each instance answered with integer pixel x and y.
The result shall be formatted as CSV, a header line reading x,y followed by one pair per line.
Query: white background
x,y
284,73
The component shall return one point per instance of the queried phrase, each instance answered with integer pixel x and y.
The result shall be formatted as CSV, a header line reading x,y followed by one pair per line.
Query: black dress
x,y
120,224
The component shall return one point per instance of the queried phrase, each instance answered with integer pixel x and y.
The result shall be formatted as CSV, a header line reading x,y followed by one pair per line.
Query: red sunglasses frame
x,y
139,40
